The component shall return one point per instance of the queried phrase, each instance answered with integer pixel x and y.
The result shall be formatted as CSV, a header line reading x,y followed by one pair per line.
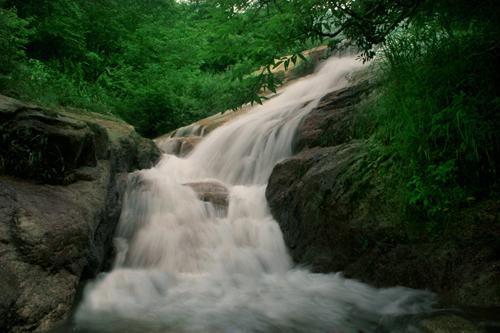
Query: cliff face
x,y
62,175
337,213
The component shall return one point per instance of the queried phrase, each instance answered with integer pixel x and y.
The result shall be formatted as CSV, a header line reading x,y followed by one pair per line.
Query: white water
x,y
181,267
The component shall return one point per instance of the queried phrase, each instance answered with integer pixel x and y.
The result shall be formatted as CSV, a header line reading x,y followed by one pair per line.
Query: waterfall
x,y
185,265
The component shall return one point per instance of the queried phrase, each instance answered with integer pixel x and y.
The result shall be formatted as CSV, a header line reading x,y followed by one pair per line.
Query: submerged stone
x,y
213,192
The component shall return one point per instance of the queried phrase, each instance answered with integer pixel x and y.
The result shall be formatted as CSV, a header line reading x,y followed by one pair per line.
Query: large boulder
x,y
61,183
327,203
336,214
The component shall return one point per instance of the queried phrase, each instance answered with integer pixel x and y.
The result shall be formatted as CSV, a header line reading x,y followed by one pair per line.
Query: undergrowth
x,y
437,115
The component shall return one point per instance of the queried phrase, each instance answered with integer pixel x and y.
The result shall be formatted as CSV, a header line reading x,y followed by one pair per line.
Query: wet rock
x,y
214,193
194,129
202,127
449,324
42,145
179,146
8,297
327,205
60,200
331,122
50,147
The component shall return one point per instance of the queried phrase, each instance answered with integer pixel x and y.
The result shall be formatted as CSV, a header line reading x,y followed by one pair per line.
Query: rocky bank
x,y
337,213
62,175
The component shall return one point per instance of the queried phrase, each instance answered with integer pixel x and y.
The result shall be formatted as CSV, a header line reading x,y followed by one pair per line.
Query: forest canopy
x,y
158,64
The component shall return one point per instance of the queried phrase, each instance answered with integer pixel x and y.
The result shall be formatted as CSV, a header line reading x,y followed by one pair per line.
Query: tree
x,y
13,39
366,23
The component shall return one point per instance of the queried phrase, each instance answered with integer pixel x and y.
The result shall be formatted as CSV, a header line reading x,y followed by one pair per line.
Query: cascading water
x,y
184,266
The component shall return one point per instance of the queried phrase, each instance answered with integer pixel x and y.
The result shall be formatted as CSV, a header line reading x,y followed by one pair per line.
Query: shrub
x,y
438,114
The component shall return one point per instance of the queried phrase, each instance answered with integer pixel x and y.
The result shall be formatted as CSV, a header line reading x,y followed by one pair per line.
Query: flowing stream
x,y
184,265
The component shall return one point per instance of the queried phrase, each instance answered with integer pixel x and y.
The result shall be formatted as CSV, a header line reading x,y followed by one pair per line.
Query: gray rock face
x,y
56,226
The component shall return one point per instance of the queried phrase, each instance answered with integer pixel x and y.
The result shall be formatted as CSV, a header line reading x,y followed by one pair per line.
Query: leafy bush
x,y
36,81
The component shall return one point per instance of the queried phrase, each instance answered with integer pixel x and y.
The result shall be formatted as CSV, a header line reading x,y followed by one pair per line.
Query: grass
x,y
437,115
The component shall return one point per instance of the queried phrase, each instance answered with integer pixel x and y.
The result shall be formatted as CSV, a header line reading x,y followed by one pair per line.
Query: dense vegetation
x,y
438,112
160,64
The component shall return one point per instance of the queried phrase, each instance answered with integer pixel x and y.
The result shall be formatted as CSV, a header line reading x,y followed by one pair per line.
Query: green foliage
x,y
159,64
36,81
364,22
438,112
435,191
13,38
